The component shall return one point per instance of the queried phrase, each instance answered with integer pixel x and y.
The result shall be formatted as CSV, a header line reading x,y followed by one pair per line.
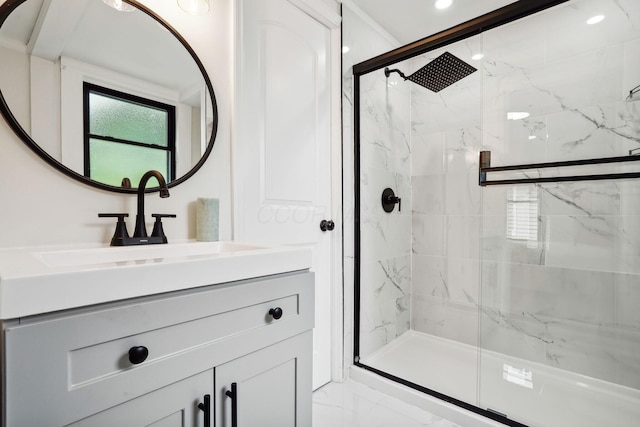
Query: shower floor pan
x,y
528,392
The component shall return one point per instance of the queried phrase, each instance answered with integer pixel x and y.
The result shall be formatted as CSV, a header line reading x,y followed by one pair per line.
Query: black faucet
x,y
121,235
141,228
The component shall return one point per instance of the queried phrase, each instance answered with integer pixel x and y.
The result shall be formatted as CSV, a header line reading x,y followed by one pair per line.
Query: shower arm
x,y
387,72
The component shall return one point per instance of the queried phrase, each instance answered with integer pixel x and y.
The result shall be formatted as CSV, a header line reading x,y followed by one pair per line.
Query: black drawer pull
x,y
206,408
276,313
138,354
233,394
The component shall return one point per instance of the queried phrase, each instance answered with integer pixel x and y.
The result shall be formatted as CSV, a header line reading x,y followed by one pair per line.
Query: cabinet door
x,y
273,386
175,405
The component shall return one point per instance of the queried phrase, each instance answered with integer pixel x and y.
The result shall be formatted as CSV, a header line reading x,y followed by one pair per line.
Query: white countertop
x,y
45,279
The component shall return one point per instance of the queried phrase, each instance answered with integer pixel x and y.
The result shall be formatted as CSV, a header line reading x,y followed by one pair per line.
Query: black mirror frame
x,y
6,9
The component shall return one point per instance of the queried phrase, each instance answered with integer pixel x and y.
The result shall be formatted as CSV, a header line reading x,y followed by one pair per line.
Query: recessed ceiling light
x,y
532,137
345,49
443,4
517,115
477,56
595,19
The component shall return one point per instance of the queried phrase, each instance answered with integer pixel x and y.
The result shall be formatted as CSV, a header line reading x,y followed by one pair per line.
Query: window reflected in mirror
x,y
125,135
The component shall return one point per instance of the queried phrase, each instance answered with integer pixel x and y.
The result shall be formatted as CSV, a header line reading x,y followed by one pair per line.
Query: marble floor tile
x,y
351,404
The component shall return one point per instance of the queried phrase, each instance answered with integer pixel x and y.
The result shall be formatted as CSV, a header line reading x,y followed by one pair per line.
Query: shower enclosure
x,y
511,291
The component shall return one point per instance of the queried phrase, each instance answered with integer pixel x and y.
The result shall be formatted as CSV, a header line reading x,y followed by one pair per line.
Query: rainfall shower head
x,y
443,71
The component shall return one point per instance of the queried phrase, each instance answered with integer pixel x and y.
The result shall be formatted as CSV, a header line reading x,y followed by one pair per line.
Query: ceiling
x,y
89,31
411,20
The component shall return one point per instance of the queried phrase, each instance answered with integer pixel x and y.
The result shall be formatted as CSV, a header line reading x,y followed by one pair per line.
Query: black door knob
x,y
276,313
138,354
327,225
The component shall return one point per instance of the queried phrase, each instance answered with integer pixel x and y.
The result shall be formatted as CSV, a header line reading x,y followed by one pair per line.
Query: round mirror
x,y
104,91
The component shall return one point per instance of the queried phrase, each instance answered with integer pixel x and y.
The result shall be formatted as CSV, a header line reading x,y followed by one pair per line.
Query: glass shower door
x,y
418,260
559,314
560,282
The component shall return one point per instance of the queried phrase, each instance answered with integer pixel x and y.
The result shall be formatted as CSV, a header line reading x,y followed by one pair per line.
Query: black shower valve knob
x,y
389,200
394,200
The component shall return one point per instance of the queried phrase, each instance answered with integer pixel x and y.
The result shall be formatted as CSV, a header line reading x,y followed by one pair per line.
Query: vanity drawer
x,y
80,361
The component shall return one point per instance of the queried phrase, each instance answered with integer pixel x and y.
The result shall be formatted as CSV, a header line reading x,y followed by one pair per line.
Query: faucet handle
x,y
158,231
120,216
159,217
121,232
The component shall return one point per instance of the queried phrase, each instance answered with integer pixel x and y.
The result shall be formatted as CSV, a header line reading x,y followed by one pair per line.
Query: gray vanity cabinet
x,y
76,367
175,405
266,387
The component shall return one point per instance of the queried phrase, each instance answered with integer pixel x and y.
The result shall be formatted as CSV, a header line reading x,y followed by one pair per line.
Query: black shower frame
x,y
498,17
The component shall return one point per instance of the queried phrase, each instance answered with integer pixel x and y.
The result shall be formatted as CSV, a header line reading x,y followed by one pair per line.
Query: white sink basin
x,y
137,254
42,280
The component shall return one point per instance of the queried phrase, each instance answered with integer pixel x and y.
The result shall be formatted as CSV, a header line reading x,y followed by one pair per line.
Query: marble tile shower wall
x,y
446,138
385,251
386,238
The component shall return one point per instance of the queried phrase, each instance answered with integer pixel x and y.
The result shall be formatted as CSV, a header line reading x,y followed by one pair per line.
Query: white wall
x,y
41,206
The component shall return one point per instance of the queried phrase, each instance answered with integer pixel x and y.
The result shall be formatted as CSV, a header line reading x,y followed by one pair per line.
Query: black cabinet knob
x,y
138,354
276,313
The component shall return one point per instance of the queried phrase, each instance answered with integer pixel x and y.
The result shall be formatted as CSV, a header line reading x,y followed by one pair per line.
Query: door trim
x,y
319,11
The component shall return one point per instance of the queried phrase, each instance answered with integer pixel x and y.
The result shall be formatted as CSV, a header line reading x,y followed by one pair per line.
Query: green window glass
x,y
126,135
111,161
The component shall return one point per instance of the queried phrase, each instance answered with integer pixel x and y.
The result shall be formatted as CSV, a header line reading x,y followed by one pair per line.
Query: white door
x,y
282,154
